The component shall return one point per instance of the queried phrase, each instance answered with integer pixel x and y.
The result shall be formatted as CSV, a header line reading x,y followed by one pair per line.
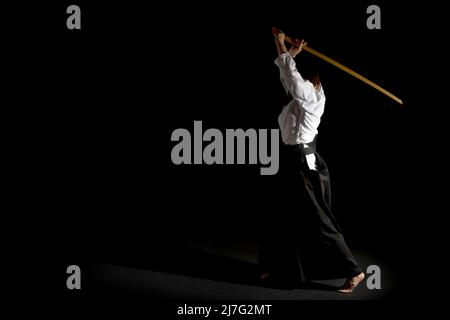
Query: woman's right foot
x,y
351,283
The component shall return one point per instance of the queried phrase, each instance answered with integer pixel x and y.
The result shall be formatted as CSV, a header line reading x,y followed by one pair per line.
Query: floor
x,y
213,271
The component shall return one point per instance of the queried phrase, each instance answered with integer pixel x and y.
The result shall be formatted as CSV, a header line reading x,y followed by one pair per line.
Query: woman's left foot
x,y
351,283
264,275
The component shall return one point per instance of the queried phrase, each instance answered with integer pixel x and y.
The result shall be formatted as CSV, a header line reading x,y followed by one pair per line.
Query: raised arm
x,y
279,40
296,47
290,77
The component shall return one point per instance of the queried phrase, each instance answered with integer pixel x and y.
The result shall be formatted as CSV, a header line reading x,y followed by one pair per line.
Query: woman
x,y
316,232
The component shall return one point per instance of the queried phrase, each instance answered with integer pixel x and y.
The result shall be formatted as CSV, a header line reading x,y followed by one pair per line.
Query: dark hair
x,y
314,78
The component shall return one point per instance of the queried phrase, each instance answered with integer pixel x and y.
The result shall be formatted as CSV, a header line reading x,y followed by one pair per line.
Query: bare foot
x,y
351,283
264,275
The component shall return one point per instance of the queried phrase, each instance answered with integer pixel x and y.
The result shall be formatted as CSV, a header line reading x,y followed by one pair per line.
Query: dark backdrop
x,y
113,93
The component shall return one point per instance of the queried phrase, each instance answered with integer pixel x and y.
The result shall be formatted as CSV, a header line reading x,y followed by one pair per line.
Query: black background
x,y
108,97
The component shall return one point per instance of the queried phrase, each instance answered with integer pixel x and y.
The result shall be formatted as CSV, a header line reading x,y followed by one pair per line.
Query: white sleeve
x,y
300,90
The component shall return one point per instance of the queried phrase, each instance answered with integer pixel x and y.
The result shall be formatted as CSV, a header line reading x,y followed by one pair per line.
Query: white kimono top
x,y
300,118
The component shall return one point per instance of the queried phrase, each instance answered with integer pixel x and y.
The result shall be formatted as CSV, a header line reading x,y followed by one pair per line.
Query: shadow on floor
x,y
180,260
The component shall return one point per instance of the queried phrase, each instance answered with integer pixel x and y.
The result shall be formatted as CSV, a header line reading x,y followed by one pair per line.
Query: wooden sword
x,y
344,68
